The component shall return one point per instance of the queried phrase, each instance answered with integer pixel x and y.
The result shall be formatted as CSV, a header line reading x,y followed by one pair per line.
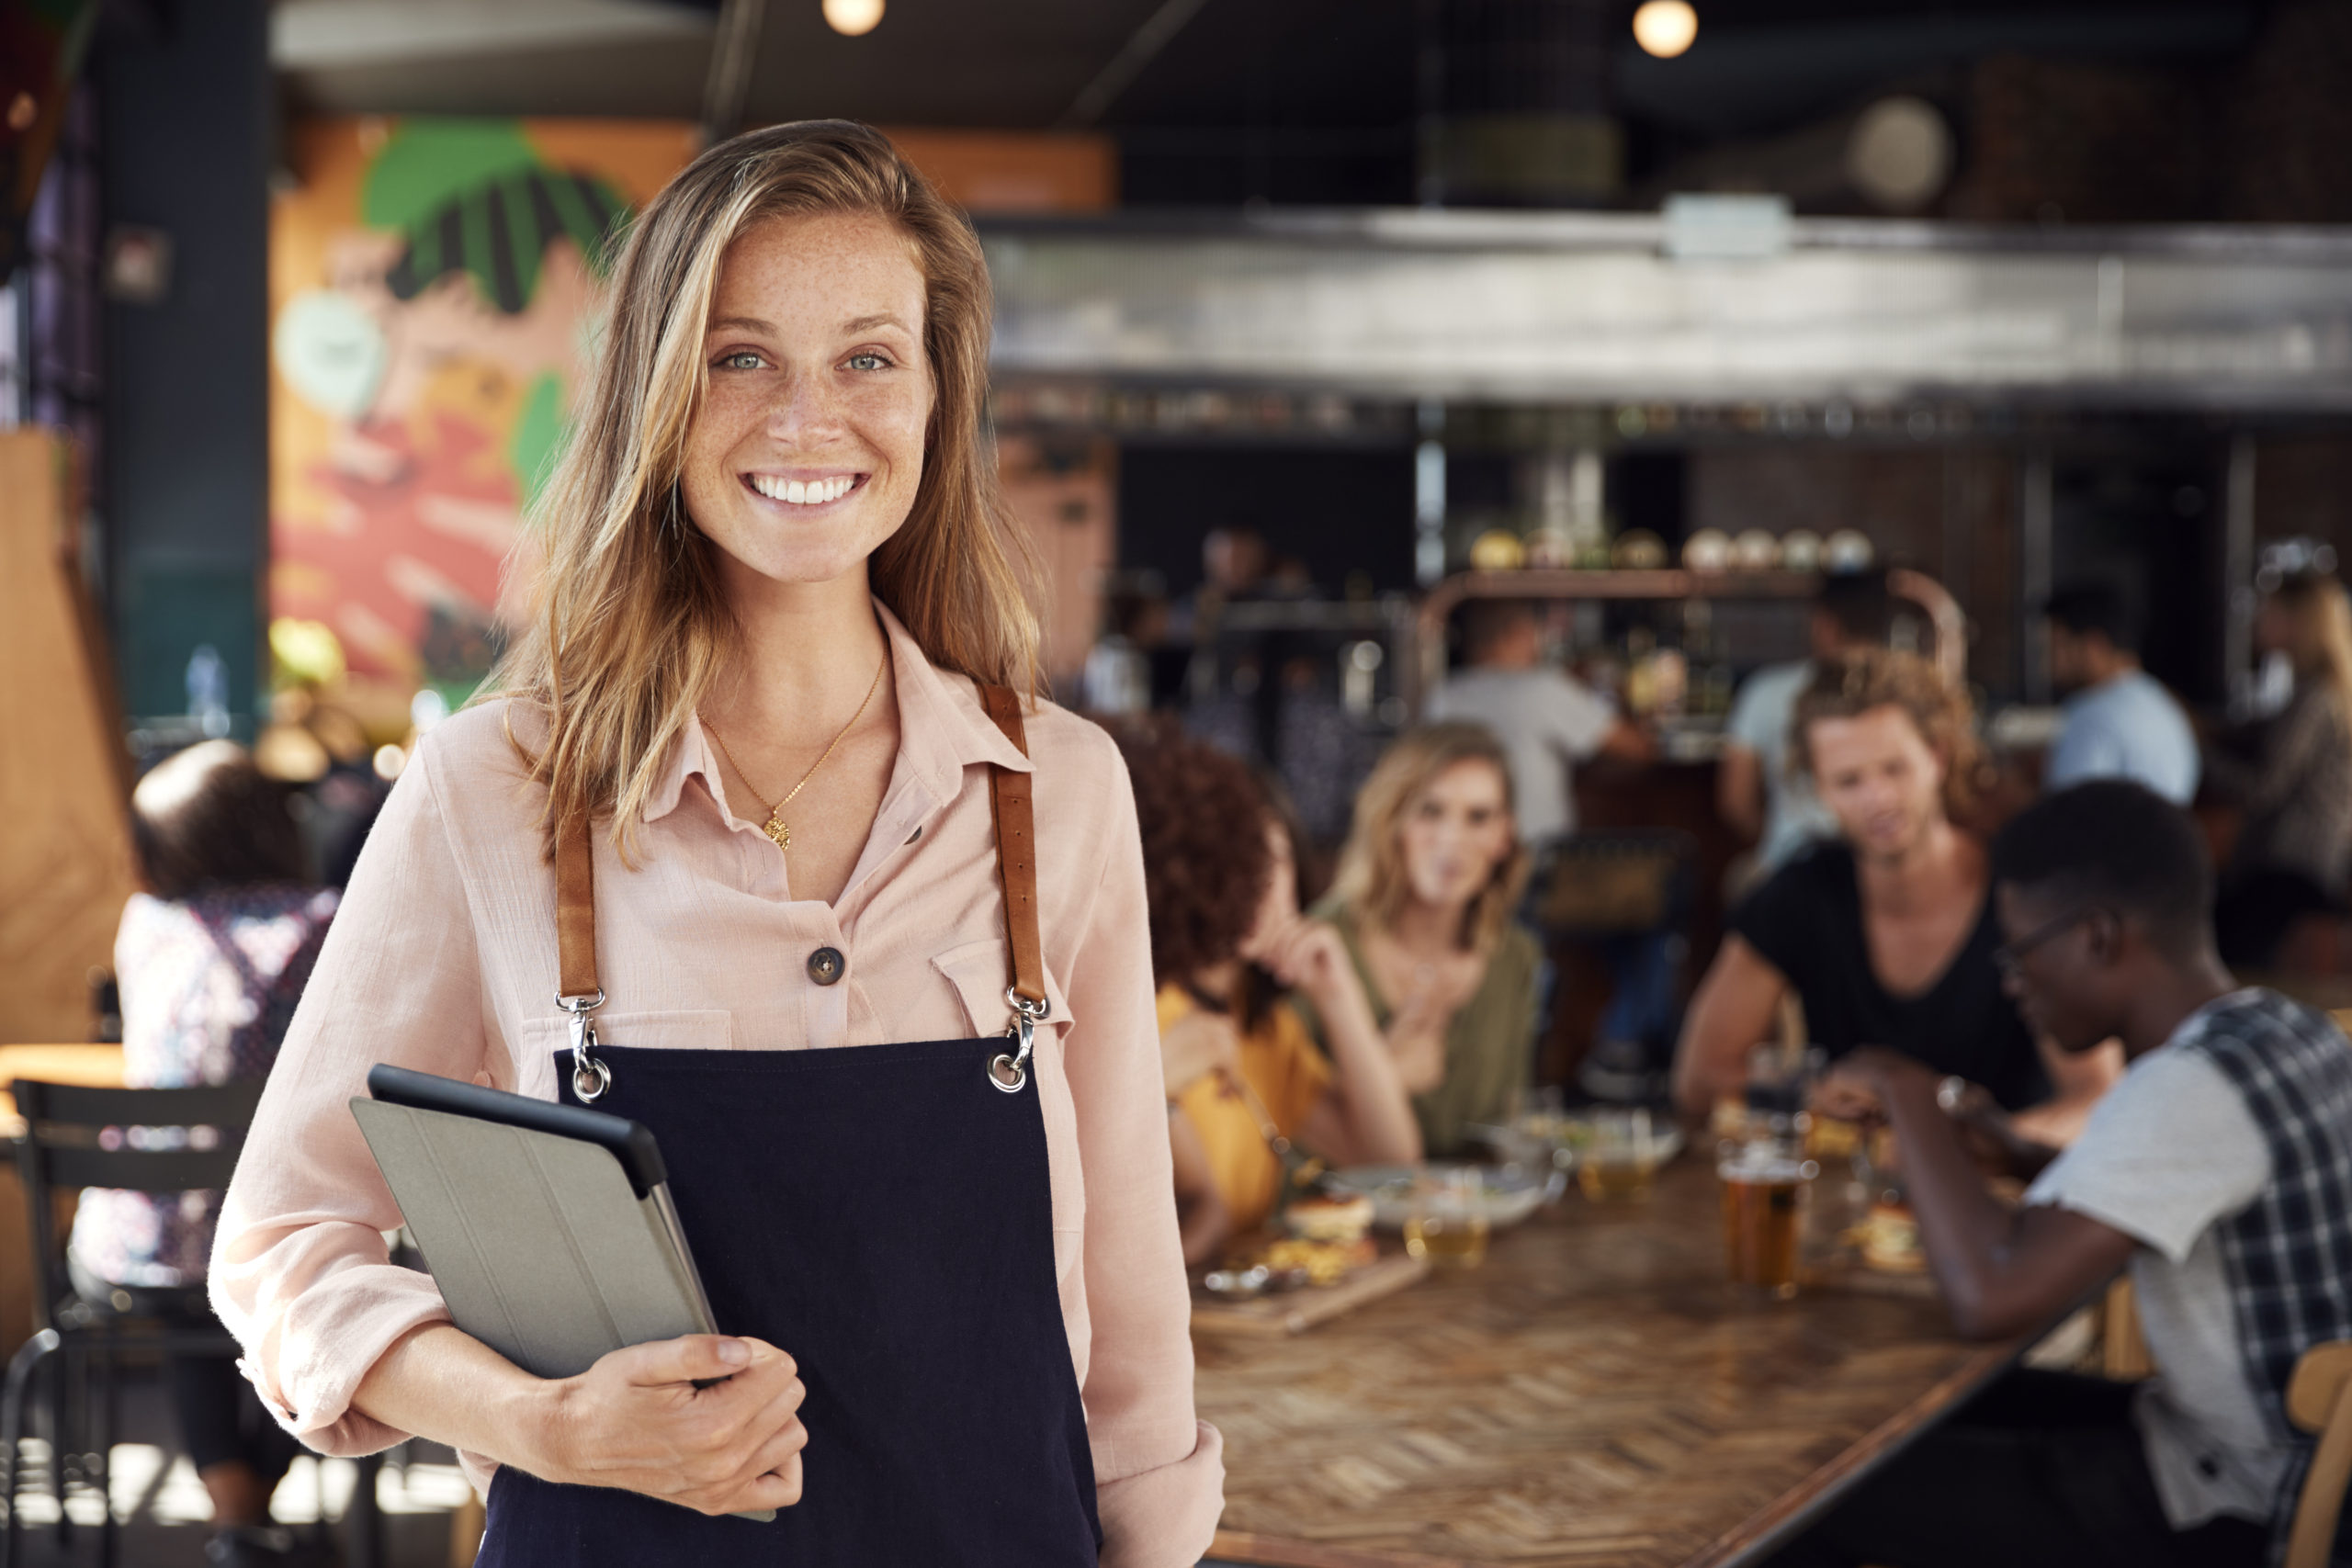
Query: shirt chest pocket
x,y
673,1028
980,973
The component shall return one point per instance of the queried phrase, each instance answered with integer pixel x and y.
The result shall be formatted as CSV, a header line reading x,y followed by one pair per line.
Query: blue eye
x,y
868,362
742,359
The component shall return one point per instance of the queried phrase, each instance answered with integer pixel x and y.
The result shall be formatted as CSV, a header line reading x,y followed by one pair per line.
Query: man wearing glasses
x,y
2218,1172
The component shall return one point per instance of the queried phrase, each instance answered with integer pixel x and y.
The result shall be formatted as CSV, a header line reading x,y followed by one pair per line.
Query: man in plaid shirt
x,y
2219,1170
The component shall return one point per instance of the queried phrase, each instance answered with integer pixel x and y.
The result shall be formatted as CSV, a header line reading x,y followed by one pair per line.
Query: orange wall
x,y
990,171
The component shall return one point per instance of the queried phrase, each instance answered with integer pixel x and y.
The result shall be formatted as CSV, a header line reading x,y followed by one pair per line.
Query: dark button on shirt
x,y
827,965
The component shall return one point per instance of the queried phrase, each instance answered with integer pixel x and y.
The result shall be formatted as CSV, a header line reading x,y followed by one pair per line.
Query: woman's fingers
x,y
777,1488
780,1452
695,1358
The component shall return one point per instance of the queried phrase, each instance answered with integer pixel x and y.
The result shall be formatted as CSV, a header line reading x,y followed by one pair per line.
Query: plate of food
x,y
1507,1193
1563,1136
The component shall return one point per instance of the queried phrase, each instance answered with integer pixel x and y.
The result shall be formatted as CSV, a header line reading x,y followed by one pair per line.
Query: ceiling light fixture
x,y
852,18
1663,27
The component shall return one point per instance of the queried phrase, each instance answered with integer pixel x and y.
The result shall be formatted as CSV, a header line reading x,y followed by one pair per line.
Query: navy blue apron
x,y
883,1215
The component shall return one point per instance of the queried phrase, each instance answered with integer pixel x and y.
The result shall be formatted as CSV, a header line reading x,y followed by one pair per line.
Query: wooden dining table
x,y
1594,1392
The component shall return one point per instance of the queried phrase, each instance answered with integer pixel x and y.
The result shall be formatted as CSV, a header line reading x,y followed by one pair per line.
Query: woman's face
x,y
807,449
1879,777
1456,832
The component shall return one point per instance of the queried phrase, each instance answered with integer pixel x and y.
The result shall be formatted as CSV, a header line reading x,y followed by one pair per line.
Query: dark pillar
x,y
185,142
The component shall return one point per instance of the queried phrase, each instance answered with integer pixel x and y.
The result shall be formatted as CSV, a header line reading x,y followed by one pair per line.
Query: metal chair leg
x,y
21,1367
61,1434
105,1415
364,1520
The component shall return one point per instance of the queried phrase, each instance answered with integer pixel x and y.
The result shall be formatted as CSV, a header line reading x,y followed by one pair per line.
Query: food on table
x,y
1341,1217
1890,1239
1324,1262
1829,1138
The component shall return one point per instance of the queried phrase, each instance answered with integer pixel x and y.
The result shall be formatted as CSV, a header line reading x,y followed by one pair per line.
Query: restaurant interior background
x,y
1437,298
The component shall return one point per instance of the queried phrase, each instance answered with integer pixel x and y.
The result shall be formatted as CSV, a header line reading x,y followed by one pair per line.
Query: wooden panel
x,y
1594,1395
1011,171
65,857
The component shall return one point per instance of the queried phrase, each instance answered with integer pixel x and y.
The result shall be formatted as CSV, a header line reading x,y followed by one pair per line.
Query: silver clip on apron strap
x,y
577,992
1016,859
579,995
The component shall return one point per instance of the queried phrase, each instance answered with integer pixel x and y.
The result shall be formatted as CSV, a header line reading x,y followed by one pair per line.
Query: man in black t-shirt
x,y
1887,935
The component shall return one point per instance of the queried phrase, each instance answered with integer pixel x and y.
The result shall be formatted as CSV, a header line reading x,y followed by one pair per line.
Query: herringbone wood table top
x,y
1594,1394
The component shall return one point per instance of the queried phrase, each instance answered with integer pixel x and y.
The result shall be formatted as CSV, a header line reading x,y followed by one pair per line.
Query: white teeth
x,y
803,492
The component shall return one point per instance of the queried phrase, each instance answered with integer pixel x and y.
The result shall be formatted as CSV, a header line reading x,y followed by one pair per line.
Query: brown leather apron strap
x,y
1016,848
1016,853
575,912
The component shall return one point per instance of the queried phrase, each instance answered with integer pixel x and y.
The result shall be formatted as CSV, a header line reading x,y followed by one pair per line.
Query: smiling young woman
x,y
757,797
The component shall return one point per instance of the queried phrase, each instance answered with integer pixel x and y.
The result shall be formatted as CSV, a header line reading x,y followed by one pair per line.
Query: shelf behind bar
x,y
1567,584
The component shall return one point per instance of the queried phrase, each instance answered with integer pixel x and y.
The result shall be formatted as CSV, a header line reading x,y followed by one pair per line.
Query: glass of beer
x,y
1763,1211
1447,1222
1620,1158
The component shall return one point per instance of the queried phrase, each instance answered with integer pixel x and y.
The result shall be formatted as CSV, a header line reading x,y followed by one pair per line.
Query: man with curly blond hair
x,y
1886,934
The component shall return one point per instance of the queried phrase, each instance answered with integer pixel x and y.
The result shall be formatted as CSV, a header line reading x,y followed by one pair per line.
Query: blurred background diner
x,y
1584,518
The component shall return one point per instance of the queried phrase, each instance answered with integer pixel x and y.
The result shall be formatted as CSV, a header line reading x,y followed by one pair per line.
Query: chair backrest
x,y
2319,1399
147,1140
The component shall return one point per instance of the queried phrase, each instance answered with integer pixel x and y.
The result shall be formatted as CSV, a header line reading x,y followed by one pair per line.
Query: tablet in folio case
x,y
548,1227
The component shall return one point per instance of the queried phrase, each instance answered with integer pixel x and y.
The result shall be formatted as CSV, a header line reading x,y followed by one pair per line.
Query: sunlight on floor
x,y
142,1484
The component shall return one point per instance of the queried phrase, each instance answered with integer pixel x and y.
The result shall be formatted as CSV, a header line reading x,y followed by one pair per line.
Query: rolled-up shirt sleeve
x,y
1159,1471
299,1270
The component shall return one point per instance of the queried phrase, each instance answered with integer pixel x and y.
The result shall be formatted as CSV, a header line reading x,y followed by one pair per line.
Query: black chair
x,y
146,1140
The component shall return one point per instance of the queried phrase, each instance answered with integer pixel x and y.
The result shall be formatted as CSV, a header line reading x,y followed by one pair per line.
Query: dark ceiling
x,y
1278,99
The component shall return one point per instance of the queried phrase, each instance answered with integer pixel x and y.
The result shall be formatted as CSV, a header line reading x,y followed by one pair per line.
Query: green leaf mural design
x,y
538,435
474,196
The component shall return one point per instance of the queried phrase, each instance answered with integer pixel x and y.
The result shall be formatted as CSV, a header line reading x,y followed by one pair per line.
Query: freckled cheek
x,y
896,428
726,420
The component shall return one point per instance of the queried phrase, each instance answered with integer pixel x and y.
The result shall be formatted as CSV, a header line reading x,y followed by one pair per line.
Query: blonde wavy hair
x,y
1371,883
631,628
1857,681
2319,633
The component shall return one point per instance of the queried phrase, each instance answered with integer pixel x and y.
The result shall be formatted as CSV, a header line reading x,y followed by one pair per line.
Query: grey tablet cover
x,y
541,1249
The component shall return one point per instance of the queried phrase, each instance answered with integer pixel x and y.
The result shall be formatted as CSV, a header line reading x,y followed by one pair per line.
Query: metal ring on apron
x,y
1009,1072
590,1076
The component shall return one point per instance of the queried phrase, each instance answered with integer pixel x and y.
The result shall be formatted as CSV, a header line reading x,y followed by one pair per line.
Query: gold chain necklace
x,y
776,827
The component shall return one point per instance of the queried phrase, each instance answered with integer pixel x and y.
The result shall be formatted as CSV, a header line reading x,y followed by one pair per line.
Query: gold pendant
x,y
777,831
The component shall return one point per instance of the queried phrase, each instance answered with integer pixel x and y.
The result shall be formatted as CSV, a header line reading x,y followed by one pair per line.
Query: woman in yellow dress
x,y
1232,953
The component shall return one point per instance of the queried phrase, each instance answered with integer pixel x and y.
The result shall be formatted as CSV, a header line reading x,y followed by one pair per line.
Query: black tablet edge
x,y
632,1143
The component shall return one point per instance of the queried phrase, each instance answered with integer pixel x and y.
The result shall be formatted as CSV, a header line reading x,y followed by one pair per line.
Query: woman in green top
x,y
1427,884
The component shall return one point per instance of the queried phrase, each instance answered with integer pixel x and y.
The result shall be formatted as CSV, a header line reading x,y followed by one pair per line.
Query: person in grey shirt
x,y
2218,1172
1758,794
1548,719
2120,722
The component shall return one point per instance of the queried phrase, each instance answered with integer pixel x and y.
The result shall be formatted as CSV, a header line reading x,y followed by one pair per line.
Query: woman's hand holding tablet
x,y
636,1420
708,1422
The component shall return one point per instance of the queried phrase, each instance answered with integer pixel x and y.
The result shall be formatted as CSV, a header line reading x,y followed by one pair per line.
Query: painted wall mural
x,y
433,282
433,285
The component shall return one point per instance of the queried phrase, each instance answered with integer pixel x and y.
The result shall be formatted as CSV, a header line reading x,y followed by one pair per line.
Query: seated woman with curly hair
x,y
1226,937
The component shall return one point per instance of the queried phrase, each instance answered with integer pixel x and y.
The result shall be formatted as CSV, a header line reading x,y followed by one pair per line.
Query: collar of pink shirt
x,y
942,731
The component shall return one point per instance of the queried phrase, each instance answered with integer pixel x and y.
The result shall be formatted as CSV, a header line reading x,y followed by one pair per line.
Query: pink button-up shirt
x,y
444,959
